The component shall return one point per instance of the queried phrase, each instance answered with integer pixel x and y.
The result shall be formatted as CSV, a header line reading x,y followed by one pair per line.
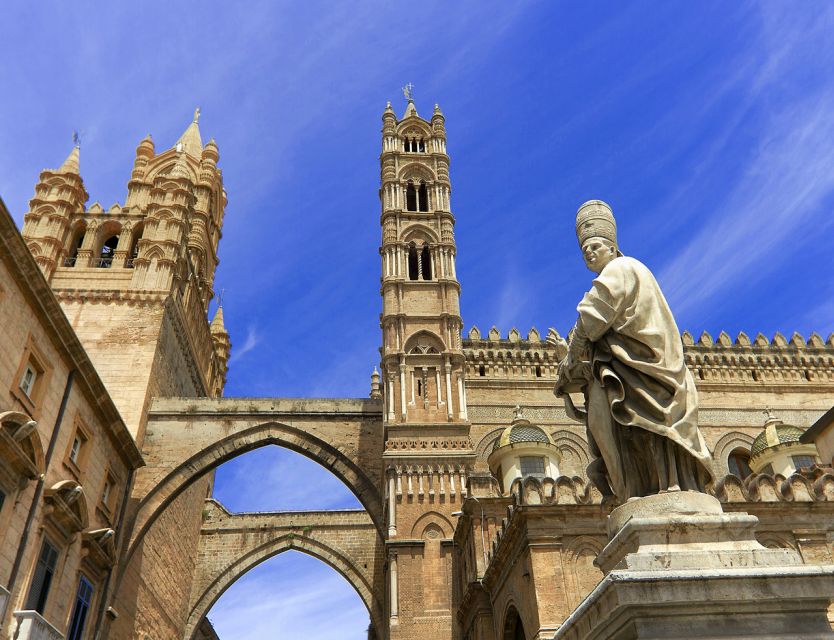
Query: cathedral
x,y
479,520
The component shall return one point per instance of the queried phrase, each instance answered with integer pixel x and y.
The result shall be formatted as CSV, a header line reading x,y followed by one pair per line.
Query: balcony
x,y
32,626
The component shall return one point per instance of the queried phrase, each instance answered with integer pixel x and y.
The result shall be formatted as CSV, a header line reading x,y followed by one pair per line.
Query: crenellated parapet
x,y
778,361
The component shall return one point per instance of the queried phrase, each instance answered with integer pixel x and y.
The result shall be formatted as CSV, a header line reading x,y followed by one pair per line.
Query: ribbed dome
x,y
774,434
522,431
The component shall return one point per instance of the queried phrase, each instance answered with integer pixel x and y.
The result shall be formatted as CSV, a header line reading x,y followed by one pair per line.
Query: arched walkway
x,y
188,438
233,544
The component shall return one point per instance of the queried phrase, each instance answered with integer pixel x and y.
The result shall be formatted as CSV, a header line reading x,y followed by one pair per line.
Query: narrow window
x,y
410,197
75,449
412,263
482,370
423,198
42,580
538,371
72,258
420,388
134,249
108,249
83,598
421,146
105,493
532,466
425,260
27,381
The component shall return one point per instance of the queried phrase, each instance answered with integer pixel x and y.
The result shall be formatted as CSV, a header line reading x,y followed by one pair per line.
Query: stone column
x,y
447,371
392,571
392,505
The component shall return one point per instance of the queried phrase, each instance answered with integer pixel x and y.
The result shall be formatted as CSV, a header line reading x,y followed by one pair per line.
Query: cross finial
x,y
196,114
76,139
518,413
408,92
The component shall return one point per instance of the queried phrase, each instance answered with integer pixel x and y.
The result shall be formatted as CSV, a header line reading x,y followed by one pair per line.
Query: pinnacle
x,y
190,141
71,164
410,110
217,324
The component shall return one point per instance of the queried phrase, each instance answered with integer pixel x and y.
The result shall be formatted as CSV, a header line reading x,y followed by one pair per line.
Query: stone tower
x,y
427,446
135,282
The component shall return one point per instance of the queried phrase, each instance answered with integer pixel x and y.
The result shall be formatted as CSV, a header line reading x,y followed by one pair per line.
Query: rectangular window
x,y
532,466
75,449
27,380
83,598
803,462
42,580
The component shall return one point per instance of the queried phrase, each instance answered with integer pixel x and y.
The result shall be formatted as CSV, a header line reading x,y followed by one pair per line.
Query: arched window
x,y
412,263
134,247
425,260
421,145
410,197
75,245
423,197
108,249
739,463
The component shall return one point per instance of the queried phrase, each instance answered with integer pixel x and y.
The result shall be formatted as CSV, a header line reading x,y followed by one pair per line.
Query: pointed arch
x,y
327,553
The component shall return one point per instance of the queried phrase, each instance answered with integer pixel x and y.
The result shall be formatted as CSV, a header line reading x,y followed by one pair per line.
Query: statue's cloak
x,y
637,359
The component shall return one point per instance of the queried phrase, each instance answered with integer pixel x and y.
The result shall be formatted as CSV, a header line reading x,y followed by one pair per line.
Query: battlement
x,y
722,361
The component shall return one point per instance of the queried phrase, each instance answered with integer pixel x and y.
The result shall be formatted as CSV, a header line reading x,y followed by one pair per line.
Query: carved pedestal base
x,y
678,567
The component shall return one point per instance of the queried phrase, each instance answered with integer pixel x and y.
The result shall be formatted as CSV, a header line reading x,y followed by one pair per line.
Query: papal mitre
x,y
595,220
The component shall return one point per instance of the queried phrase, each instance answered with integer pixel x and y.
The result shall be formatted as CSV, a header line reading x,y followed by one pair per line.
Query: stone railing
x,y
32,626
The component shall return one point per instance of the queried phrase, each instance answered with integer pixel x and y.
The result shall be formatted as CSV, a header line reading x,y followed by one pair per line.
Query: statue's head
x,y
596,231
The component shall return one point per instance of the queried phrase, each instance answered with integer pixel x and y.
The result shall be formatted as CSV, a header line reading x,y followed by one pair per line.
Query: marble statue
x,y
625,355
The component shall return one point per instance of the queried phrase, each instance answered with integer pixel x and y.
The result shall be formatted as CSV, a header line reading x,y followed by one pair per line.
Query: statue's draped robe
x,y
642,401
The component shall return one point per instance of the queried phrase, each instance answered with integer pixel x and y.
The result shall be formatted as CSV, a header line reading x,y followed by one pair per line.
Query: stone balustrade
x,y
32,626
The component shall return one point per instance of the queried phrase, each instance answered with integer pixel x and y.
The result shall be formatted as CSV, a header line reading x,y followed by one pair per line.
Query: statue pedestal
x,y
677,566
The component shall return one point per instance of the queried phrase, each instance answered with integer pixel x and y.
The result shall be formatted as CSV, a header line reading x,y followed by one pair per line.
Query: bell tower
x,y
422,360
428,451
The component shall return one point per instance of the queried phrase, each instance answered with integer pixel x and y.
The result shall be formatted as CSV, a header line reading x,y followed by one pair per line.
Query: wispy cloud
x,y
777,195
252,341
290,596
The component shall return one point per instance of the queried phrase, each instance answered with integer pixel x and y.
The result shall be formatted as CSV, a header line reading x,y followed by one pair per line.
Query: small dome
x,y
774,434
522,430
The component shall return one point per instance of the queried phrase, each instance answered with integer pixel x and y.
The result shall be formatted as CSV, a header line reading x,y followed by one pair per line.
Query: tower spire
x,y
71,164
190,141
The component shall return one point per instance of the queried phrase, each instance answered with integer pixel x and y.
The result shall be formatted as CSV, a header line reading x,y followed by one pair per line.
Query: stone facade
x,y
441,548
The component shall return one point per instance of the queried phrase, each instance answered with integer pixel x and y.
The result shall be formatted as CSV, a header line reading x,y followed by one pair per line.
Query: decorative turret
x,y
777,449
523,449
376,392
59,195
222,351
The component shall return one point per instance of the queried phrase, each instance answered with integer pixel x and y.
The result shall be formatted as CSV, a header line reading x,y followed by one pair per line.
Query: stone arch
x,y
420,232
213,454
317,549
425,338
575,453
484,446
512,627
728,443
583,574
430,520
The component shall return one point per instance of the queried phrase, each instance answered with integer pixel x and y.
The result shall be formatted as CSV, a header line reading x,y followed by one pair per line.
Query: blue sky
x,y
709,127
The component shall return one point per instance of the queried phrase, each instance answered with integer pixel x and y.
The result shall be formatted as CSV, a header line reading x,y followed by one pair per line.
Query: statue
x,y
626,356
